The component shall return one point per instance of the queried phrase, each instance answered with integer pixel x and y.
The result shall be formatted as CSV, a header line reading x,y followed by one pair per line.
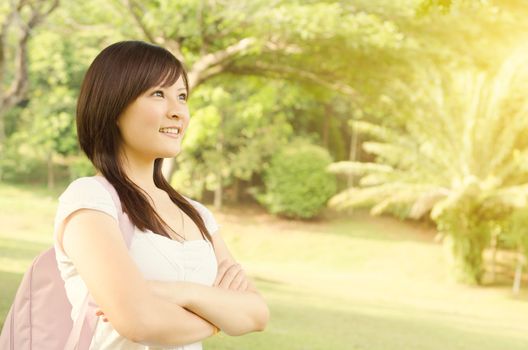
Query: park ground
x,y
350,282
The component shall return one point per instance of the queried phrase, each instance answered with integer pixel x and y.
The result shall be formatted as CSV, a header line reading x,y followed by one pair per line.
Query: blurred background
x,y
366,159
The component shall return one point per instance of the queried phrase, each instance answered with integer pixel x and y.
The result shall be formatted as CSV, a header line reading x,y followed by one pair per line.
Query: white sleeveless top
x,y
157,257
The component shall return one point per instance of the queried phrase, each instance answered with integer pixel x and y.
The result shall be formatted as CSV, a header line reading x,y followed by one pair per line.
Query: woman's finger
x,y
229,275
244,286
238,280
241,281
222,268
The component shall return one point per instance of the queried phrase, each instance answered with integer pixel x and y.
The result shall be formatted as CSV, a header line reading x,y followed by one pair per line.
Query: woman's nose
x,y
173,115
178,115
176,109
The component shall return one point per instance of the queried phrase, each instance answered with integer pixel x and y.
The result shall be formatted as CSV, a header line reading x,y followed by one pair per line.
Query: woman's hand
x,y
231,276
101,313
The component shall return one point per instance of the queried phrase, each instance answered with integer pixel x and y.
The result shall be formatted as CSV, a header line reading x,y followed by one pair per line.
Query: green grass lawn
x,y
344,283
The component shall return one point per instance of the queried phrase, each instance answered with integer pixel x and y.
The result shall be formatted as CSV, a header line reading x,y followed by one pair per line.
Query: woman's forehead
x,y
167,82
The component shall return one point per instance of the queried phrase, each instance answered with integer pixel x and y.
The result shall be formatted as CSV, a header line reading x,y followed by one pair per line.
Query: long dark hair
x,y
116,77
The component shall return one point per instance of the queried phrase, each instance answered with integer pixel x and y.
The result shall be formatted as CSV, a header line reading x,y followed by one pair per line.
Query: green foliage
x,y
299,43
310,66
462,158
81,166
444,6
43,130
232,134
19,160
297,184
512,231
467,226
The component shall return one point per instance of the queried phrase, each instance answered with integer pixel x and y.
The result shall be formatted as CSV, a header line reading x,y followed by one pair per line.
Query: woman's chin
x,y
171,154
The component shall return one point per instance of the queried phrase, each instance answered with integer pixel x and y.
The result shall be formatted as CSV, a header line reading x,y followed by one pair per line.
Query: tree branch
x,y
206,62
3,35
292,73
19,85
133,8
136,10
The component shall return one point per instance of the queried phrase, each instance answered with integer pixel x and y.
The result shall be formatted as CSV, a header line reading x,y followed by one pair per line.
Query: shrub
x,y
297,184
81,166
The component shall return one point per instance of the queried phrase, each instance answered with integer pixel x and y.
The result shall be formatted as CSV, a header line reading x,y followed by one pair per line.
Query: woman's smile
x,y
171,135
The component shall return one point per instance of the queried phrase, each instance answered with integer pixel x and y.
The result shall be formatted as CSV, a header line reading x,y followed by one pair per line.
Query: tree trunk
x,y
2,128
18,89
353,155
518,273
2,145
218,193
493,245
236,190
51,177
326,124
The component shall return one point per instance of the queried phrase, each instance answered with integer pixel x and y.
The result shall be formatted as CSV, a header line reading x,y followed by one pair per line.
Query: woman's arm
x,y
168,324
236,312
94,243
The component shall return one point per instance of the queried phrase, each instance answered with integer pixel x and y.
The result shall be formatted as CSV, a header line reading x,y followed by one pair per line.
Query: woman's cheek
x,y
151,119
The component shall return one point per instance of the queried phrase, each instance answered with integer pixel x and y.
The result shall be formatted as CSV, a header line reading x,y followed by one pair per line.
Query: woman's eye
x,y
183,97
158,93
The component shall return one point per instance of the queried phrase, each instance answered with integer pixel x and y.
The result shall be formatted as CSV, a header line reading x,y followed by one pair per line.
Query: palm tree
x,y
462,158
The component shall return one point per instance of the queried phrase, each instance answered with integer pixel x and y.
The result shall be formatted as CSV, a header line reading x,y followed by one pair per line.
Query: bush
x,y
81,167
19,162
467,225
297,184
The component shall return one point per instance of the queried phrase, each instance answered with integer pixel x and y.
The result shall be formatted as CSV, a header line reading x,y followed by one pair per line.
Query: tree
x,y
286,39
461,159
18,19
232,136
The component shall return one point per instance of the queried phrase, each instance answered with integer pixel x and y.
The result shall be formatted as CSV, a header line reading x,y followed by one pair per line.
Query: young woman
x,y
177,283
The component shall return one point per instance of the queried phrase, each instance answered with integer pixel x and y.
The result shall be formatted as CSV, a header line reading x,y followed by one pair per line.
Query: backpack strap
x,y
84,326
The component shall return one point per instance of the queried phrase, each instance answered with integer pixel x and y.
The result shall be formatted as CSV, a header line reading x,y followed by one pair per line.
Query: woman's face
x,y
143,123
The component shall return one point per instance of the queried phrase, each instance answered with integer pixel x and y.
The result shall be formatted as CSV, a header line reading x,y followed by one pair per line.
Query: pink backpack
x,y
40,316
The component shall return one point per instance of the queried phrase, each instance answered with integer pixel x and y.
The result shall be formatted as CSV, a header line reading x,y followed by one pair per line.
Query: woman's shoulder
x,y
82,193
86,192
206,215
202,209
84,187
